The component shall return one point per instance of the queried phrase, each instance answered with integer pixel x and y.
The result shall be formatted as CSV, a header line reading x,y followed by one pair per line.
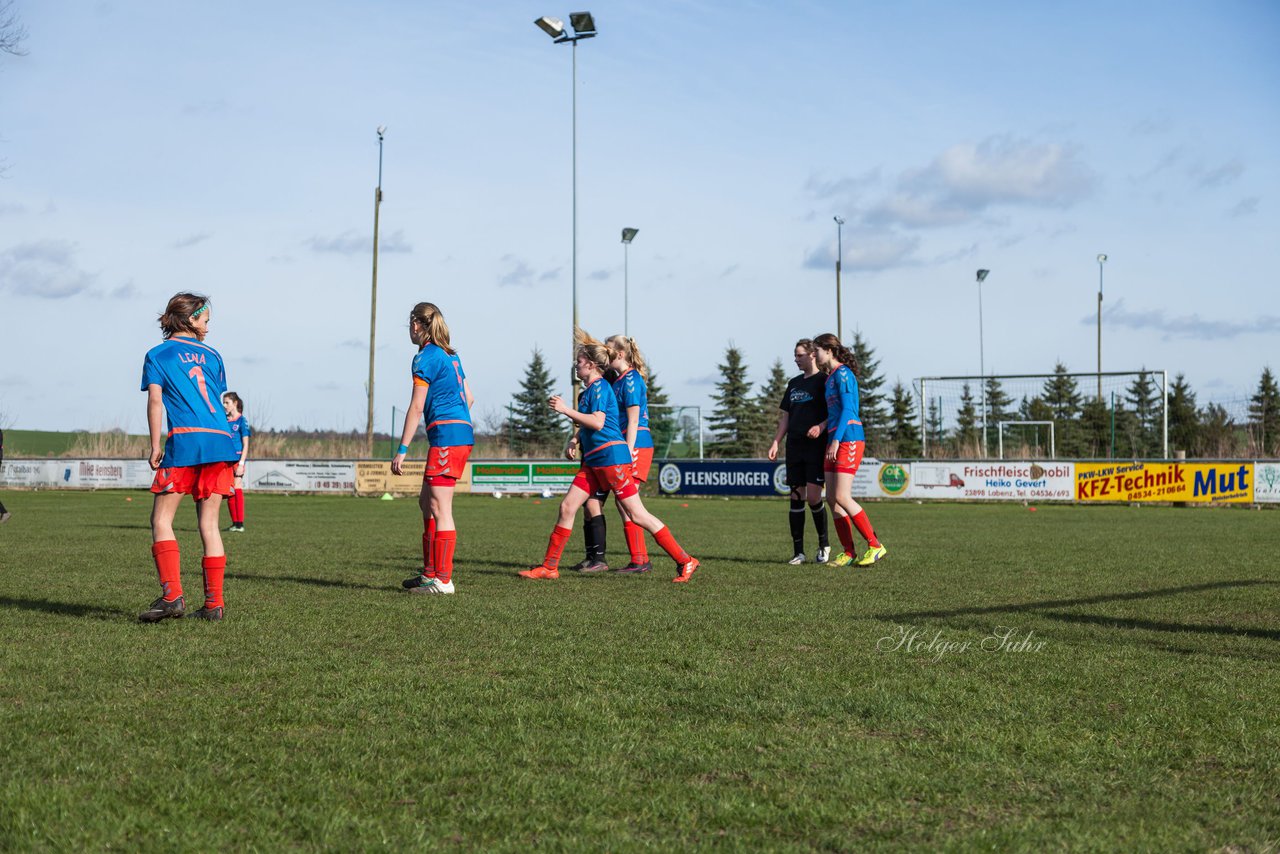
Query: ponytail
x,y
434,328
843,355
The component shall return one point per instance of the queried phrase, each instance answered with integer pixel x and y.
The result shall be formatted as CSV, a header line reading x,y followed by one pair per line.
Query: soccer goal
x,y
1112,414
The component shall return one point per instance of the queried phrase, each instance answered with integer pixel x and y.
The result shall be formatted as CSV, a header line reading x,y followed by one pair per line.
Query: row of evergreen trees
x,y
744,419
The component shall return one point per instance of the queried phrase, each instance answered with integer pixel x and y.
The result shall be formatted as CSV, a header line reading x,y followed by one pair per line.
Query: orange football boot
x,y
540,572
686,571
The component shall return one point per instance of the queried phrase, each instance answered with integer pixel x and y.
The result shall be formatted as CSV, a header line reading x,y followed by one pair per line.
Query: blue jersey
x,y
631,390
606,446
192,380
239,431
447,414
843,423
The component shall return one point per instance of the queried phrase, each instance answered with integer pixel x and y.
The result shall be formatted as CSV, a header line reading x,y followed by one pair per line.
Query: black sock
x,y
594,529
796,518
819,512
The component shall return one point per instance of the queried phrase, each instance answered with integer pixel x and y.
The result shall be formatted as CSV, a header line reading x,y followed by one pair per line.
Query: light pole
x,y
373,298
628,235
1102,259
982,360
583,27
839,254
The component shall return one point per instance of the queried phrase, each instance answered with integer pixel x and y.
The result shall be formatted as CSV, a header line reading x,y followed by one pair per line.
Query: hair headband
x,y
199,311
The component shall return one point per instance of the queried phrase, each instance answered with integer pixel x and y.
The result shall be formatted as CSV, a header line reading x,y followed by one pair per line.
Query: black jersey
x,y
805,403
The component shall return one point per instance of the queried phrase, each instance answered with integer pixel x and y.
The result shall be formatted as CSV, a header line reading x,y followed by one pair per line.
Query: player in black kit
x,y
803,421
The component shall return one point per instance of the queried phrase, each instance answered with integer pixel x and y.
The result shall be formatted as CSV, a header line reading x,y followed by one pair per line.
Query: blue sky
x,y
230,149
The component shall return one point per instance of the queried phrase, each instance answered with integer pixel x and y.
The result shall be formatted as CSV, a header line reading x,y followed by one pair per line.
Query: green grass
x,y
37,443
750,709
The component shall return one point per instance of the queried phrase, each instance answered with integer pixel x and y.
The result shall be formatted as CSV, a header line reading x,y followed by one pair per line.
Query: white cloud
x,y
353,243
44,268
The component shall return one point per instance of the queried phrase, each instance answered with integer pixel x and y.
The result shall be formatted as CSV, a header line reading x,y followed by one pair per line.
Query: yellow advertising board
x,y
1140,481
375,478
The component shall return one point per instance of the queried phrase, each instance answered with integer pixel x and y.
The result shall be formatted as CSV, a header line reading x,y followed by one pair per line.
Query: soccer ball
x,y
546,493
497,493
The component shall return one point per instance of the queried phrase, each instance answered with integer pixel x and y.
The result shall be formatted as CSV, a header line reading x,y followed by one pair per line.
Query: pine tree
x,y
904,431
966,437
1062,394
1095,429
871,402
734,416
1144,403
933,422
662,418
767,401
533,426
1217,432
1264,413
1184,420
997,404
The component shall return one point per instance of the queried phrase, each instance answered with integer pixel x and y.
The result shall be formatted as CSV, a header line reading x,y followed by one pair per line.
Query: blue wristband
x,y
403,449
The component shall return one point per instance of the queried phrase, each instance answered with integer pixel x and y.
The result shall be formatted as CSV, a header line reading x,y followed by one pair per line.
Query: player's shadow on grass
x,y
63,609
1042,609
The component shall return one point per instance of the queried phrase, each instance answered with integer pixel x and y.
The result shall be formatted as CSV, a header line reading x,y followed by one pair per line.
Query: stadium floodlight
x,y
584,27
839,252
373,298
628,235
1102,259
553,27
982,360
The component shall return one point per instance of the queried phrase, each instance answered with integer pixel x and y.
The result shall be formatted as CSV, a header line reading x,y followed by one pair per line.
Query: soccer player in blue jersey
x,y
184,379
607,464
440,390
628,379
846,442
240,431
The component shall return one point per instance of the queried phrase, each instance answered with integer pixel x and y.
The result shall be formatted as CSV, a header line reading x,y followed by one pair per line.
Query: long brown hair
x,y
627,349
829,341
181,310
434,328
234,398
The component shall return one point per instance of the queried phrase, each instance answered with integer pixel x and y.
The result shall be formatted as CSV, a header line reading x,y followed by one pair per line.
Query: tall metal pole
x,y
626,289
839,255
1102,259
572,332
982,361
373,297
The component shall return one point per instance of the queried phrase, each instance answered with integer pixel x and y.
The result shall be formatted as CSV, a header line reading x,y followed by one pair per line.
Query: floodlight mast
x,y
1102,259
628,235
839,252
583,26
373,298
982,360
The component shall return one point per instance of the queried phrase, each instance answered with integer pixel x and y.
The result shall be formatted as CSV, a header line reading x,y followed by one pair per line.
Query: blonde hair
x,y
627,348
592,349
434,328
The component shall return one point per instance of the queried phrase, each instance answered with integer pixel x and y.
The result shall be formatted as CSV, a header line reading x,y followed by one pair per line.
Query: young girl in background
x,y
440,389
183,377
846,441
240,431
606,464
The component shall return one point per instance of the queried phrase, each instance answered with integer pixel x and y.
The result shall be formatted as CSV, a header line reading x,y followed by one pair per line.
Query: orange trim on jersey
x,y
602,447
420,381
199,430
447,421
193,341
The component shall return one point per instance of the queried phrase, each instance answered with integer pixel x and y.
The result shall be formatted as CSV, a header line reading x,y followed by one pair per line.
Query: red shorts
x,y
848,458
449,462
617,479
197,481
643,462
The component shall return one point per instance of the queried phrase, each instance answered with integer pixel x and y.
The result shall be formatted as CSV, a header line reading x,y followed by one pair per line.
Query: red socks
x,y
236,505
555,547
444,544
863,524
214,569
635,542
844,530
168,567
428,539
669,545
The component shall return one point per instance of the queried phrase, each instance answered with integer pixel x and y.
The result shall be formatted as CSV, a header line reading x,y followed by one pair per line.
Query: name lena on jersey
x,y
191,358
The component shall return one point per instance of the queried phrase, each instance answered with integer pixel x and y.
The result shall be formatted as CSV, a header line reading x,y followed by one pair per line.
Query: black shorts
x,y
805,459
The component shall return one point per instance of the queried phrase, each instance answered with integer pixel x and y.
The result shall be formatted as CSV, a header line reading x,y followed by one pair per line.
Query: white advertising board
x,y
300,476
1003,480
1266,482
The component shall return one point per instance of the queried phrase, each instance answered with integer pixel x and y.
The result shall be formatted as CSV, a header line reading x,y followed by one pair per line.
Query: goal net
x,y
1116,414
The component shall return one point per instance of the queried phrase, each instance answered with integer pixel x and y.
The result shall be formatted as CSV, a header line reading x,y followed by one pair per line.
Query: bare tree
x,y
12,31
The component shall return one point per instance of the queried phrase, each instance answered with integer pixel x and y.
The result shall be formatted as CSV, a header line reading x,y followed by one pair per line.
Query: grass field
x,y
759,707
